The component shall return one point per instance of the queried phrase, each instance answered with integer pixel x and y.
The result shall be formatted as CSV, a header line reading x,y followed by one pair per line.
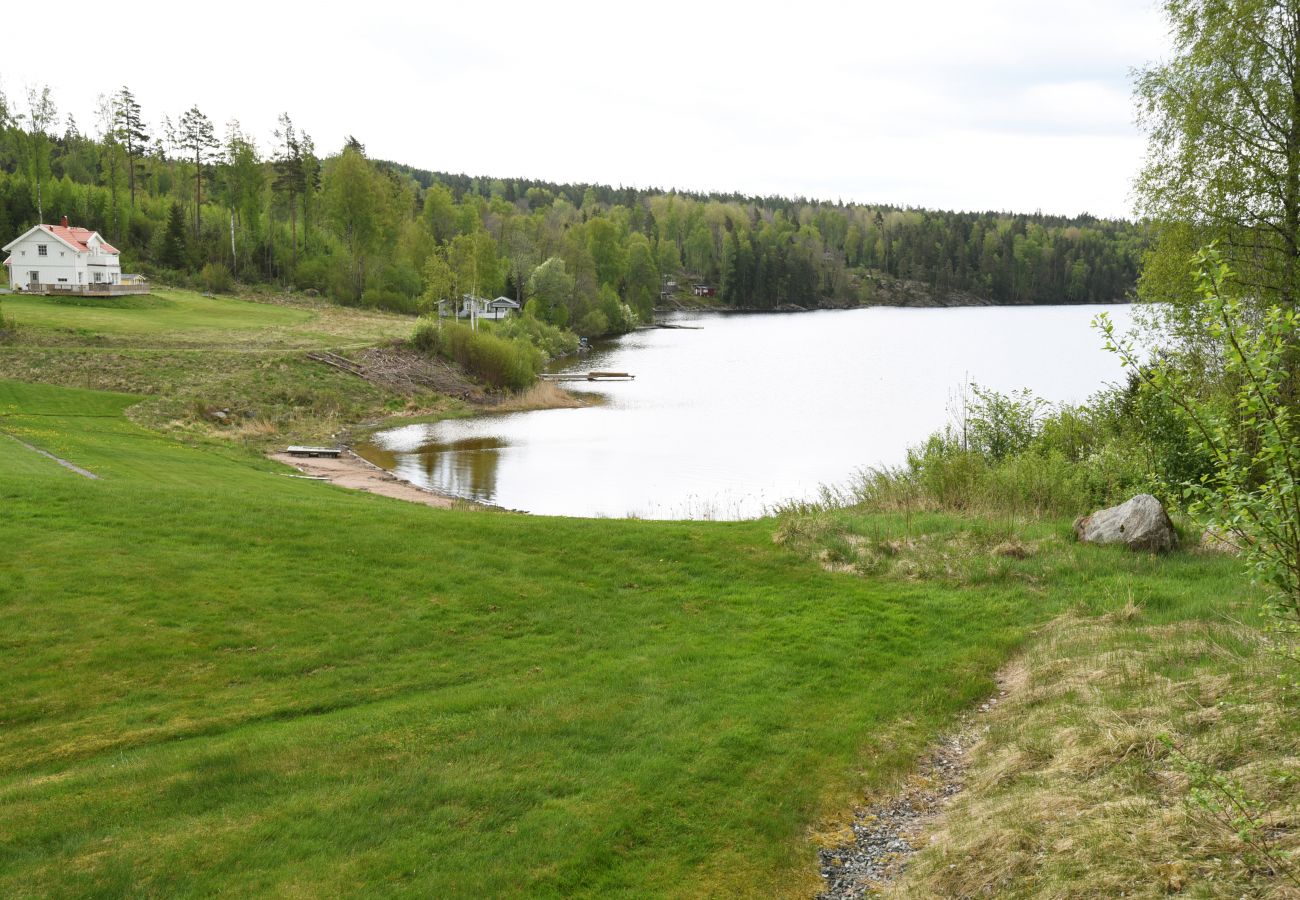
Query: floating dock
x,y
586,376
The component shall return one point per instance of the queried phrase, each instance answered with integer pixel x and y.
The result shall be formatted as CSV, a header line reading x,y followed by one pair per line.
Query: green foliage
x,y
551,288
347,224
1011,454
1251,436
393,301
216,278
173,253
1222,122
552,341
511,363
1001,425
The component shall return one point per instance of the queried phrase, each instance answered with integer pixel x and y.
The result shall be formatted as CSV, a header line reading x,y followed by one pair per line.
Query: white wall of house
x,y
60,263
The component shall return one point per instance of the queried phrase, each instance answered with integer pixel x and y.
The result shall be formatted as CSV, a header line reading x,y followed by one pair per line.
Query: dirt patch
x,y
350,471
405,370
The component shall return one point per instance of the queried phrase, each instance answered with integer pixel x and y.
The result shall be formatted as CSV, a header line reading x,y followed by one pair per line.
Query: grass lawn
x,y
221,680
176,318
161,312
189,355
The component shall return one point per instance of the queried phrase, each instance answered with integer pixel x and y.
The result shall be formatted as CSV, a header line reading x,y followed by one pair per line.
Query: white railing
x,y
102,287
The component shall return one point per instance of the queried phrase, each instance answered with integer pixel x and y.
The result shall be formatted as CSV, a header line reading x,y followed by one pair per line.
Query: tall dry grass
x,y
542,395
1076,793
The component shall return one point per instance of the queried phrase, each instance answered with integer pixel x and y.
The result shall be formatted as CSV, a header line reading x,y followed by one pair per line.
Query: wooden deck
x,y
84,290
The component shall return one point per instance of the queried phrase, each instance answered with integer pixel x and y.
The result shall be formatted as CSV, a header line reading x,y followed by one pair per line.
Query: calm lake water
x,y
750,410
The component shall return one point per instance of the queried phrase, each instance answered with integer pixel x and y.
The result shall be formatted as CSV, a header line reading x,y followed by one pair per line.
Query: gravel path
x,y
889,831
58,459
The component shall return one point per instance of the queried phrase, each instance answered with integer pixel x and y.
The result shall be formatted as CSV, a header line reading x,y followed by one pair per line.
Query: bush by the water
x,y
501,362
552,341
1015,454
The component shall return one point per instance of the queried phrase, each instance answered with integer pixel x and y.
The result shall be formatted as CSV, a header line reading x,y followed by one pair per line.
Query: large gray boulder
x,y
1141,523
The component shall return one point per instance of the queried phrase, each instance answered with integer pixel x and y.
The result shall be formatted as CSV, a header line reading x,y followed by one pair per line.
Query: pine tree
x,y
196,136
174,252
131,133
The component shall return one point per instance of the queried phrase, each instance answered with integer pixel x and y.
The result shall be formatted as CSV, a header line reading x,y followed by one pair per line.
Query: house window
x,y
99,276
42,250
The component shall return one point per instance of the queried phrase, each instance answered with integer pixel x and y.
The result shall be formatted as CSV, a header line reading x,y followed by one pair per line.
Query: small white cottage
x,y
500,308
479,308
56,259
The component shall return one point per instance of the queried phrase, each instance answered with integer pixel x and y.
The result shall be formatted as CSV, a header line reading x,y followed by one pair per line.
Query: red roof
x,y
78,237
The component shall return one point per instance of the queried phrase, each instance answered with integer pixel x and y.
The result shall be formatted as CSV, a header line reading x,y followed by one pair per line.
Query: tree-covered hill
x,y
184,204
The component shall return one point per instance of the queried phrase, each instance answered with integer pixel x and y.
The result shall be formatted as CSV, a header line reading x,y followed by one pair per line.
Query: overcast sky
x,y
953,104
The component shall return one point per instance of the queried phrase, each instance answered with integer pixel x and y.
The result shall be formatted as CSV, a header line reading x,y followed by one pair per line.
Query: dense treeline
x,y
183,203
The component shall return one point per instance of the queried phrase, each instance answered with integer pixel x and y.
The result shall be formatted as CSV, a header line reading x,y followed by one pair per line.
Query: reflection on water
x,y
751,410
465,467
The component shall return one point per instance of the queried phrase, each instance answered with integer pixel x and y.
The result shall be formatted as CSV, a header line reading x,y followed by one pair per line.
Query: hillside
x,y
206,209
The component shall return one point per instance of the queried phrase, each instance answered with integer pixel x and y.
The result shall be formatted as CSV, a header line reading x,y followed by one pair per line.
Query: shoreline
x,y
786,309
351,471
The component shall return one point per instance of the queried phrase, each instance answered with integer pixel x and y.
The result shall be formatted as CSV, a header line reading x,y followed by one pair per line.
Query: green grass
x,y
171,318
190,355
224,679
167,310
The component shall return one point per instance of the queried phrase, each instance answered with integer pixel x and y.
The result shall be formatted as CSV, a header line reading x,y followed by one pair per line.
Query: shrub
x,y
945,473
501,362
1001,425
216,278
8,324
1249,430
593,323
544,336
393,301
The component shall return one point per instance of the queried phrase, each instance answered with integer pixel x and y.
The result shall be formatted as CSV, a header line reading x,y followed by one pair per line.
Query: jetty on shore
x,y
586,376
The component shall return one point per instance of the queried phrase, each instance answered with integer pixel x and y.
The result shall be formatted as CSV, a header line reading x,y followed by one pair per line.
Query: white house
x,y
479,308
49,259
500,308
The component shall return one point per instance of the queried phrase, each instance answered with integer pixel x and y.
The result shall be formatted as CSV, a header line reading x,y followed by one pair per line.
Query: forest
x,y
187,205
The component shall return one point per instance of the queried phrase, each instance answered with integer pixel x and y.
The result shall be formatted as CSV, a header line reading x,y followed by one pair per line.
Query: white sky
x,y
953,104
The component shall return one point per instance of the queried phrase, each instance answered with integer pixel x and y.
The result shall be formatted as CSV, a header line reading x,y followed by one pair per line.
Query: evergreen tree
x,y
196,136
174,252
130,131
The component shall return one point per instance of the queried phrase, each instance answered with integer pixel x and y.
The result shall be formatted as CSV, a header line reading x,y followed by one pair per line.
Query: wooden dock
x,y
327,452
586,376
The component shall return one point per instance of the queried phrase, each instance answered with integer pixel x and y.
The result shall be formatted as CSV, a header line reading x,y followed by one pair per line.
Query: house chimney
x,y
65,221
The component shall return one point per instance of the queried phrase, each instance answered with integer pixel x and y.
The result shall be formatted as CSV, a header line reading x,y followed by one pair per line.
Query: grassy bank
x,y
237,681
215,367
1135,755
1146,744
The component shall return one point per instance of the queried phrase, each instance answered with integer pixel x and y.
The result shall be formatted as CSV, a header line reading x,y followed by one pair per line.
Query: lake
x,y
750,410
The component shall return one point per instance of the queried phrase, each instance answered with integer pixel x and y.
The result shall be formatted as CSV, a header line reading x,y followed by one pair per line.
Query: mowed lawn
x,y
220,680
177,318
159,312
